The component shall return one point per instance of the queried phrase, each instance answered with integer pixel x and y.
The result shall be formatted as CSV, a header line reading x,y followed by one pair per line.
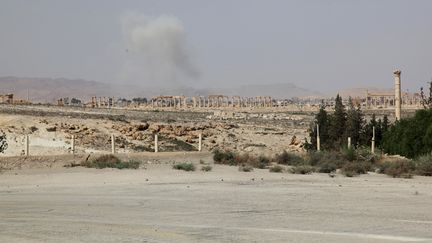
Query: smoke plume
x,y
156,50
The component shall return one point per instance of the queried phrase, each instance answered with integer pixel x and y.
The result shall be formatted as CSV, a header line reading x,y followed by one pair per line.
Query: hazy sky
x,y
322,45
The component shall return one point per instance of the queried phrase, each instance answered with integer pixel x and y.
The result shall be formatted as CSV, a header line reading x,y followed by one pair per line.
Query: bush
x,y
423,165
349,154
401,168
245,158
286,158
245,168
302,169
206,168
111,161
327,167
276,169
355,168
261,163
224,157
364,154
333,159
410,137
184,166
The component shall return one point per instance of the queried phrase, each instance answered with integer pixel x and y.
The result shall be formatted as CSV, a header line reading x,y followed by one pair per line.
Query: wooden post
x,y
349,142
199,142
156,143
318,139
112,144
27,145
373,140
73,144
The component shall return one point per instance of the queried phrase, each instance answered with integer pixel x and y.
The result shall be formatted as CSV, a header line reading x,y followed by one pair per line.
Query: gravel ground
x,y
159,204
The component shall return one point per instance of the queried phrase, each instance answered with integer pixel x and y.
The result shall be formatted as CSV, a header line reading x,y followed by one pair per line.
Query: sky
x,y
321,45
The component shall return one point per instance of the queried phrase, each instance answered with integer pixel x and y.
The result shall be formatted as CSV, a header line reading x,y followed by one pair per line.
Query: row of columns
x,y
211,101
169,101
99,102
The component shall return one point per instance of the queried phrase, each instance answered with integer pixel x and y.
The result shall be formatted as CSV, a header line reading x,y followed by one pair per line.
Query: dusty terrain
x,y
50,130
41,200
158,204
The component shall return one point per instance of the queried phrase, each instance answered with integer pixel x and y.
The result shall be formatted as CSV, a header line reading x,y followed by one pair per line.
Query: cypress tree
x,y
337,124
354,123
322,120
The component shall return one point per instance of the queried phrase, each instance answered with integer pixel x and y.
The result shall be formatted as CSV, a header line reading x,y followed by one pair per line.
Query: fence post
x,y
200,142
349,142
73,144
27,145
373,140
318,139
156,143
112,144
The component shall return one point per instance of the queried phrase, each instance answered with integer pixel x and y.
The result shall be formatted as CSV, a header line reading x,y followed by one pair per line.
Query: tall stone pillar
x,y
397,74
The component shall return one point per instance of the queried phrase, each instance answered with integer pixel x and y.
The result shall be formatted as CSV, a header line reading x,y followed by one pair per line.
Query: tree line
x,y
344,122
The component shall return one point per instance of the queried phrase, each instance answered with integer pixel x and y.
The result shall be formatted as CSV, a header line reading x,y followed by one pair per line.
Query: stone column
x,y
397,74
199,142
373,140
112,144
156,144
73,144
318,139
27,145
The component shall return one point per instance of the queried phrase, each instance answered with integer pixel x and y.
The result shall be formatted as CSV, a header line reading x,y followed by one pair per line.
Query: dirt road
x,y
159,204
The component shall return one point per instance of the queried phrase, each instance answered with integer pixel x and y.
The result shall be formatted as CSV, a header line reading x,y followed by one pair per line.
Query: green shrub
x,y
184,166
206,168
327,167
402,168
276,169
111,161
349,154
302,169
286,158
423,165
410,137
245,168
263,162
224,157
364,154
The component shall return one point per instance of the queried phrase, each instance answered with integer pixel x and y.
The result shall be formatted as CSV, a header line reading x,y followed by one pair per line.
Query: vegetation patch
x,y
302,169
355,168
111,161
276,169
224,157
184,166
401,168
245,168
423,165
286,158
206,168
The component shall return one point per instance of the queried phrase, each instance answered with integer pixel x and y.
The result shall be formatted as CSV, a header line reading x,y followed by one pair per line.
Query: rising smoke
x,y
156,50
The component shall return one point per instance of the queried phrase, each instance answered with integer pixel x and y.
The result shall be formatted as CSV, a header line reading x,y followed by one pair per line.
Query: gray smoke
x,y
155,49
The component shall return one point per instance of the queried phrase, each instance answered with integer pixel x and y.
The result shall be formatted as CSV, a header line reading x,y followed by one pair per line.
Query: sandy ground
x,y
50,129
159,204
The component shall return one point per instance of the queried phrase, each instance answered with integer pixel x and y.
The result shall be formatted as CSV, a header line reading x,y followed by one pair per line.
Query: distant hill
x,y
50,89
